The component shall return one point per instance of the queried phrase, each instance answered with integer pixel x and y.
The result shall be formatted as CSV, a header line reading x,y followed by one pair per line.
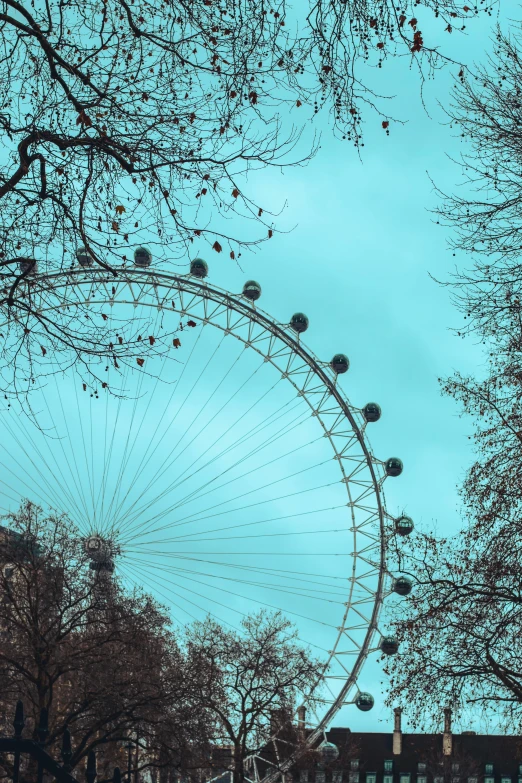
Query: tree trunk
x,y
238,771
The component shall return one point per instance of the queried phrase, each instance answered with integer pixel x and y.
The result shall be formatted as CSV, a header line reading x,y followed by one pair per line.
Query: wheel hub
x,y
101,552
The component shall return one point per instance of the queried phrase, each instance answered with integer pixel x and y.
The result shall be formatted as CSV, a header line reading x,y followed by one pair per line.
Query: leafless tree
x,y
126,122
249,681
460,628
102,661
485,213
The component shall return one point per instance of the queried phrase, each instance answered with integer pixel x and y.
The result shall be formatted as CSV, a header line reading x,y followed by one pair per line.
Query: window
x,y
472,780
455,768
422,779
489,779
438,779
488,769
353,777
388,765
303,776
320,776
371,777
505,779
404,777
337,776
354,764
421,767
389,779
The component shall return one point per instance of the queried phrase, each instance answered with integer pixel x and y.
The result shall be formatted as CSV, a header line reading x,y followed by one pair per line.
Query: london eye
x,y
230,474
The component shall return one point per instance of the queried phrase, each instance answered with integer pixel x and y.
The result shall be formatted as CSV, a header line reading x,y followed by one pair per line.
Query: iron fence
x,y
17,747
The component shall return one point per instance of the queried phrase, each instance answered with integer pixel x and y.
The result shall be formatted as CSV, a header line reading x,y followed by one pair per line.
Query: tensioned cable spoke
x,y
265,554
124,459
264,535
296,583
52,498
153,583
299,492
163,467
250,524
127,572
11,497
44,498
277,588
174,459
21,439
270,441
259,602
281,573
300,583
198,493
90,478
30,428
107,458
117,484
194,518
79,485
298,576
257,469
146,456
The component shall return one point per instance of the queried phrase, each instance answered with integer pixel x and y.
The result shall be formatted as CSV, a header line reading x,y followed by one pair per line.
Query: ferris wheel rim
x,y
188,284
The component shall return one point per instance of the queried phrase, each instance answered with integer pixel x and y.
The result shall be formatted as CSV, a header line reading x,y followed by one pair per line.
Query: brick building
x,y
401,757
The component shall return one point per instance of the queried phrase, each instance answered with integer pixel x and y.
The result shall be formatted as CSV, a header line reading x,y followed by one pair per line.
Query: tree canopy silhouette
x,y
128,121
460,628
103,660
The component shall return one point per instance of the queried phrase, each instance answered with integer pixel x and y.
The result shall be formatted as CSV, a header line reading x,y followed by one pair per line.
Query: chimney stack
x,y
397,732
447,739
301,721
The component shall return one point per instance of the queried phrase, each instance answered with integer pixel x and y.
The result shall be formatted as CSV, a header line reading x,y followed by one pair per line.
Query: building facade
x,y
400,757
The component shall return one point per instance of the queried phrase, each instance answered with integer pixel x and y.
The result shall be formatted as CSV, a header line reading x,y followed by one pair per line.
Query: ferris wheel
x,y
231,474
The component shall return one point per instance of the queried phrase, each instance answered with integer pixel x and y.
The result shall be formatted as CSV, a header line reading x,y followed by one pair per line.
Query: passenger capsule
x,y
83,257
299,322
403,585
328,752
364,702
404,525
252,290
142,257
199,268
389,645
28,267
393,466
340,363
372,412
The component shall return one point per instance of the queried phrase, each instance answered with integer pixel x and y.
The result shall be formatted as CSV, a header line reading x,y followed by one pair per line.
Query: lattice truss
x,y
176,469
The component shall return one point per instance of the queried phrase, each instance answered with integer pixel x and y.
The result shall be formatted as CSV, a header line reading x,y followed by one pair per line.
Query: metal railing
x,y
17,747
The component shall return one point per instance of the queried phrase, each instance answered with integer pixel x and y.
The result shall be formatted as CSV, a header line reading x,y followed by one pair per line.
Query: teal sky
x,y
358,263
355,254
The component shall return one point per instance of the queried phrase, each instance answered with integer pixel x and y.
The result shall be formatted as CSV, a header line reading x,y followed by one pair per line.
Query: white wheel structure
x,y
223,480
